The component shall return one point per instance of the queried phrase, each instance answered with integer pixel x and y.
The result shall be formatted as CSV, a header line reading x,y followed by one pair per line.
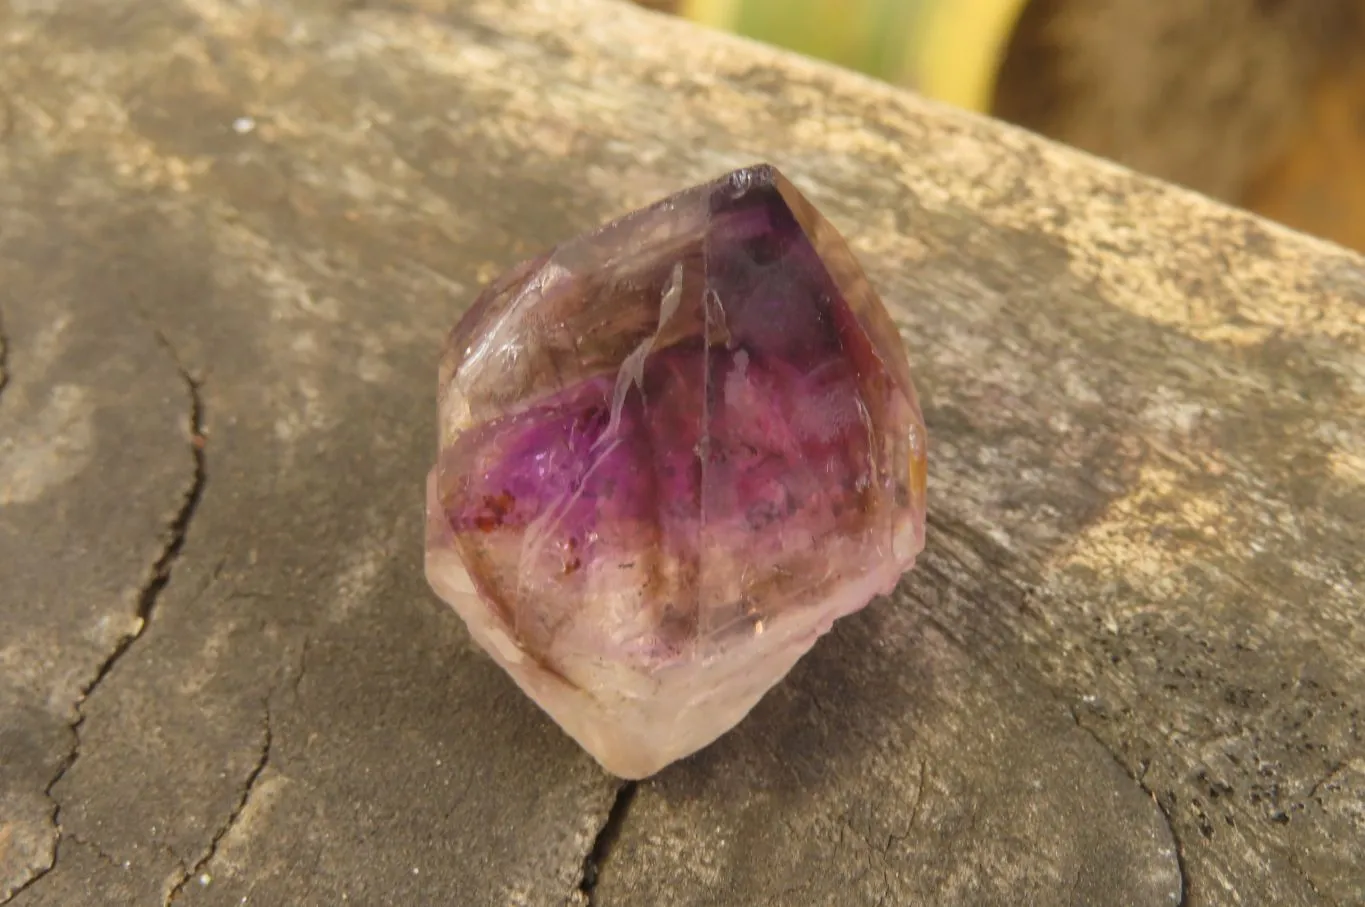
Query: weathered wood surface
x,y
1130,669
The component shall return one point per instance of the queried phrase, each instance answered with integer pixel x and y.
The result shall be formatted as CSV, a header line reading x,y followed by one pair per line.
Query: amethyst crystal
x,y
672,453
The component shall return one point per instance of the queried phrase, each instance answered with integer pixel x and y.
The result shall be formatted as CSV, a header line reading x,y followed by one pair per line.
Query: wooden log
x,y
1130,668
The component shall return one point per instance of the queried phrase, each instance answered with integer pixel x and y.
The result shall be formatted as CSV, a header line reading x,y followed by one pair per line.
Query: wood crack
x,y
1161,807
606,839
4,352
248,786
96,850
148,595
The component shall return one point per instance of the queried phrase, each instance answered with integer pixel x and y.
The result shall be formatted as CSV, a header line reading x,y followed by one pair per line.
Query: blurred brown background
x,y
1260,103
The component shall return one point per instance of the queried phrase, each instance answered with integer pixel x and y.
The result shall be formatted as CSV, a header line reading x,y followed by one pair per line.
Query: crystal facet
x,y
672,453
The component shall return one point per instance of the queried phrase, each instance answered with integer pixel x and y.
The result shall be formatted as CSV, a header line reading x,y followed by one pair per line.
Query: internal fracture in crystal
x,y
672,453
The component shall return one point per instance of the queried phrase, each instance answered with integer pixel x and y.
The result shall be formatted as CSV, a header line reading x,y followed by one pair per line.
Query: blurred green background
x,y
1260,103
870,35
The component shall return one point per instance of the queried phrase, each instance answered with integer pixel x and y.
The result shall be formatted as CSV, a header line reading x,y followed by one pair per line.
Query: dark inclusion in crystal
x,y
673,452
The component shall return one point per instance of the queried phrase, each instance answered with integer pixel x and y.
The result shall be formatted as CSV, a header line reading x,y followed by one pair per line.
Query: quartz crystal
x,y
672,453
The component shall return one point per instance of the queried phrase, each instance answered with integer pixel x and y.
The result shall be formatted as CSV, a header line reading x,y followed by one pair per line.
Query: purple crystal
x,y
673,452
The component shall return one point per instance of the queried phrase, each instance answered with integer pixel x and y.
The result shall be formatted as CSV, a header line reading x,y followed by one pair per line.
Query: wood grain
x,y
1129,668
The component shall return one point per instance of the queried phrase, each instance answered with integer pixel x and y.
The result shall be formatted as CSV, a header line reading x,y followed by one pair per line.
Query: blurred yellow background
x,y
947,49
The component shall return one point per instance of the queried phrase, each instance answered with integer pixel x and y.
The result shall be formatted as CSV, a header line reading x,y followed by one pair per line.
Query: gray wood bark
x,y
1130,668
